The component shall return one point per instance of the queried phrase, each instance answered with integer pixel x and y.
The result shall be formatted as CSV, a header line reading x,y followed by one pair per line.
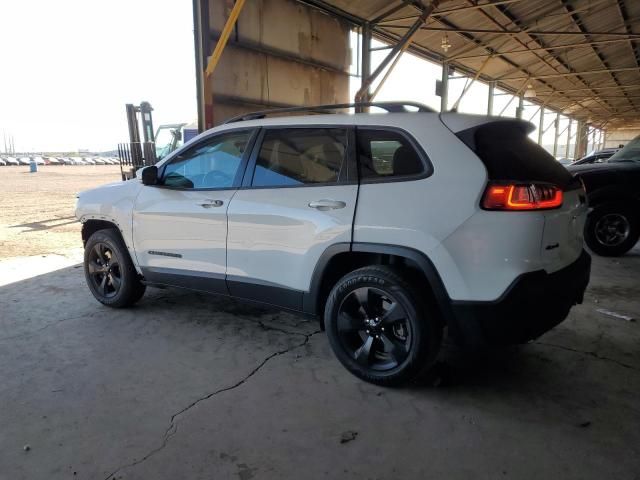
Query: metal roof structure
x,y
581,57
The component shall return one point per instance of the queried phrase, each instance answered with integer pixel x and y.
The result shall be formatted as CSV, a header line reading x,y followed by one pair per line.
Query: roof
x,y
582,57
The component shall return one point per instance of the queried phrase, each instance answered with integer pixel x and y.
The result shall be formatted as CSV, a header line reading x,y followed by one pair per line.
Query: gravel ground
x,y
37,209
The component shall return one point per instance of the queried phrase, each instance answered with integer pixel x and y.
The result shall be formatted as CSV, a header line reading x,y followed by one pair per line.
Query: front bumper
x,y
533,304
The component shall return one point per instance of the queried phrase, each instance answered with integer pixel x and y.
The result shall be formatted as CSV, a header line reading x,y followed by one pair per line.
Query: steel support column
x,y
361,95
444,87
582,139
520,109
566,152
555,134
541,126
365,59
215,58
492,88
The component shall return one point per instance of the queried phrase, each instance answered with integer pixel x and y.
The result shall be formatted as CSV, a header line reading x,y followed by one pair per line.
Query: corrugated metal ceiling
x,y
581,56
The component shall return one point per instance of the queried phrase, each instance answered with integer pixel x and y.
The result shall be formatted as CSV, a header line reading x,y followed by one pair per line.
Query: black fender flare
x,y
422,261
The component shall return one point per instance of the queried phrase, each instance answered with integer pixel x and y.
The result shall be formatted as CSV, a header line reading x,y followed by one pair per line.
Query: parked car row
x,y
597,156
15,161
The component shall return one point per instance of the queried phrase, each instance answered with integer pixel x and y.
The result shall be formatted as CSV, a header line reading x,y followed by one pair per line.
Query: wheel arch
x,y
91,226
340,259
613,194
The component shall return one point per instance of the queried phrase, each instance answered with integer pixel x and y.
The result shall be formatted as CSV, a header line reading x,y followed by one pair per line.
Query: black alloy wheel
x,y
381,326
104,270
109,271
612,229
374,329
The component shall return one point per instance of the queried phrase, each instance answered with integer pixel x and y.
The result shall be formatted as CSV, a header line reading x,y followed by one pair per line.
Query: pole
x,y
566,152
492,88
444,92
541,126
406,38
555,135
520,109
365,65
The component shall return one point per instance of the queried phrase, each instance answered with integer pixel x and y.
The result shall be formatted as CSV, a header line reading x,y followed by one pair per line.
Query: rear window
x,y
384,154
509,154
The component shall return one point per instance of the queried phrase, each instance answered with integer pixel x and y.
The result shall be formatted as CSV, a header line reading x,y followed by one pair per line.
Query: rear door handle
x,y
324,205
212,203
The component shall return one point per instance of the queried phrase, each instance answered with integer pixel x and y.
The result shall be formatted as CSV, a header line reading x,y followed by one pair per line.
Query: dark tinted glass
x,y
509,154
385,153
212,164
298,156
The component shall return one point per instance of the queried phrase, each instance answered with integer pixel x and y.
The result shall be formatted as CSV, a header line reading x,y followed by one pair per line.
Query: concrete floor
x,y
190,386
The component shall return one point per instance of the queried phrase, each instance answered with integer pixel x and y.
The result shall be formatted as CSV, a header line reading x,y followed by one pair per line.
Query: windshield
x,y
629,153
166,141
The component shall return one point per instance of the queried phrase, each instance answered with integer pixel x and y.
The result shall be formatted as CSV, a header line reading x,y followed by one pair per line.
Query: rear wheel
x,y
612,229
379,328
109,271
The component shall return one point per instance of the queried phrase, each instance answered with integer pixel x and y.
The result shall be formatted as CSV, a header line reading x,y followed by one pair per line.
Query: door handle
x,y
212,203
324,205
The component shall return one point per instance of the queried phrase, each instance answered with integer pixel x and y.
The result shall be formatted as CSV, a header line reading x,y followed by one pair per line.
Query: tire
x,y
379,327
109,271
612,229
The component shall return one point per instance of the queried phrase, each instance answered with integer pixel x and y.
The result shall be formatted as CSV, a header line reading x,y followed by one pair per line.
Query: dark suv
x,y
613,190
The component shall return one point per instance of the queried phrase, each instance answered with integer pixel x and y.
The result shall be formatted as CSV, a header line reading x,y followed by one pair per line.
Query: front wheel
x,y
379,328
109,271
612,229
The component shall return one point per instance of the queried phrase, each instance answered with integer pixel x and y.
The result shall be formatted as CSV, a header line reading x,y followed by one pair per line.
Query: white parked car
x,y
24,160
386,227
3,162
12,161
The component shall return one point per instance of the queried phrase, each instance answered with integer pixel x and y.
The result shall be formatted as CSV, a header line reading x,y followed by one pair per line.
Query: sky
x,y
68,67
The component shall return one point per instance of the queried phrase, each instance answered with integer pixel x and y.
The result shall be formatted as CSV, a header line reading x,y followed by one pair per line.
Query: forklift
x,y
153,147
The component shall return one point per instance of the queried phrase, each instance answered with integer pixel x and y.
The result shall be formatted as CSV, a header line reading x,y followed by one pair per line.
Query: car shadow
x,y
26,308
46,224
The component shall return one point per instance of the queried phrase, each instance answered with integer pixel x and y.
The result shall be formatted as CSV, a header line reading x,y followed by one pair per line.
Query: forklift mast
x,y
145,151
137,153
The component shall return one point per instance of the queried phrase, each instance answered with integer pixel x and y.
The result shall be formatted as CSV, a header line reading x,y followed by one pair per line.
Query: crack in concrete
x,y
591,354
172,429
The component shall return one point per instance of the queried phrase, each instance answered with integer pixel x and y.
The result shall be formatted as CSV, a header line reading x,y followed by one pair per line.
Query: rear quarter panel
x,y
421,214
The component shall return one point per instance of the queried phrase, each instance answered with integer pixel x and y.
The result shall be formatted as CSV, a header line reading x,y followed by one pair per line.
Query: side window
x,y
212,164
299,156
384,153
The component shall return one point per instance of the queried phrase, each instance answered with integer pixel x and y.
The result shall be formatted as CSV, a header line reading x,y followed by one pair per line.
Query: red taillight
x,y
521,196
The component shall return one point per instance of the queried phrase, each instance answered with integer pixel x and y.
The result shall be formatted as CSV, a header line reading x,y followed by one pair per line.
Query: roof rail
x,y
390,107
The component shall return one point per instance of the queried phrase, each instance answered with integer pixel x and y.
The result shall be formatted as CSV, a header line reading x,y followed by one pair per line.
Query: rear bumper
x,y
533,304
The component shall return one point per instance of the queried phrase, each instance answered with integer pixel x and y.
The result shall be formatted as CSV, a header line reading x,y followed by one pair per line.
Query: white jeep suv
x,y
388,227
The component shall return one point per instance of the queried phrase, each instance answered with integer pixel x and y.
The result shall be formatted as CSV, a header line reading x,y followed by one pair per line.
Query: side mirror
x,y
150,175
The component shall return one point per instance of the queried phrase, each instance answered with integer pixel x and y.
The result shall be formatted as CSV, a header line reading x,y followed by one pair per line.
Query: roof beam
x,y
551,47
591,88
518,23
517,32
622,9
578,22
573,74
444,13
389,11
